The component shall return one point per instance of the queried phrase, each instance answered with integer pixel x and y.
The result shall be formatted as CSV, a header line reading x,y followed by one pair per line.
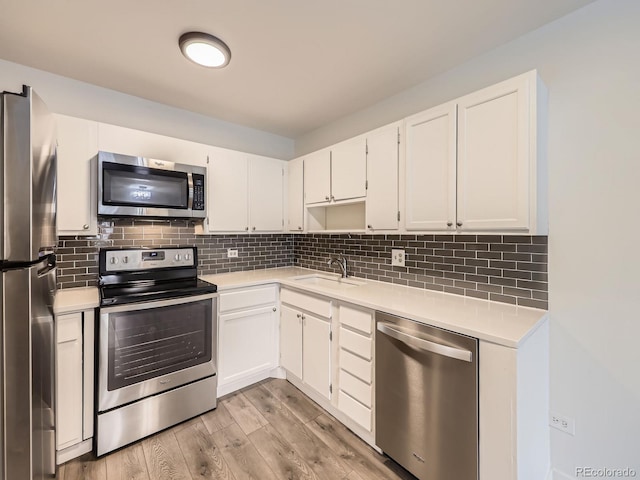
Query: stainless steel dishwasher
x,y
427,398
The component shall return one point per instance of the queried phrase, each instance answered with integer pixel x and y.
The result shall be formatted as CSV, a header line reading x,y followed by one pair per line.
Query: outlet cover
x,y
232,253
397,257
562,423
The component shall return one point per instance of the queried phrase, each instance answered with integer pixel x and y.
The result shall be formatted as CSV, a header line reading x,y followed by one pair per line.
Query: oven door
x,y
147,348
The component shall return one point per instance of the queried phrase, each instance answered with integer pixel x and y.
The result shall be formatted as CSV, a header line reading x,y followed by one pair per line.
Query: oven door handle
x,y
426,345
130,307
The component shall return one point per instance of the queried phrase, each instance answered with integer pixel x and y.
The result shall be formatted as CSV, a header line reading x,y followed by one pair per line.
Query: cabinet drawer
x,y
355,387
355,410
355,318
69,327
355,343
355,365
319,306
248,298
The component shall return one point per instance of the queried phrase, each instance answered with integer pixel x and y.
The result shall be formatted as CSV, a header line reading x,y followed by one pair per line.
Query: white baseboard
x,y
555,474
63,456
247,380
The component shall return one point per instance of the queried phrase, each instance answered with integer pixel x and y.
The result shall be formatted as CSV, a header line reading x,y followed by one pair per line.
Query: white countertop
x,y
75,299
494,322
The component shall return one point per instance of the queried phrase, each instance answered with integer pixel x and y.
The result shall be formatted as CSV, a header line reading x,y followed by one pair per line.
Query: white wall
x,y
590,62
78,99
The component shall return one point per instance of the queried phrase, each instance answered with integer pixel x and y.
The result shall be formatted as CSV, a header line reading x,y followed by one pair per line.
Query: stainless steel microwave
x,y
144,187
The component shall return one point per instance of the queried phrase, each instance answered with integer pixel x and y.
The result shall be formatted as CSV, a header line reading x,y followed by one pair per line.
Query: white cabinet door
x,y
112,138
247,343
296,195
291,340
316,354
317,177
266,190
77,178
382,179
228,174
69,389
349,169
494,157
430,192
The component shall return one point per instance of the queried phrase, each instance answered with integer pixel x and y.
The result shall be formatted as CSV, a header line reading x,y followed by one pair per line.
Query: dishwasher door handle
x,y
426,345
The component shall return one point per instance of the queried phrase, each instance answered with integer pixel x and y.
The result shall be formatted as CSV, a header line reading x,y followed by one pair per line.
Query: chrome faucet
x,y
341,261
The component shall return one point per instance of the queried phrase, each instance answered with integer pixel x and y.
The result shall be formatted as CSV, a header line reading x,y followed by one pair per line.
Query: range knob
x,y
178,257
187,256
113,260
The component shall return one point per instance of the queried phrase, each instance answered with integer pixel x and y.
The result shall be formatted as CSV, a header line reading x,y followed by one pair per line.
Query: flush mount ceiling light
x,y
205,49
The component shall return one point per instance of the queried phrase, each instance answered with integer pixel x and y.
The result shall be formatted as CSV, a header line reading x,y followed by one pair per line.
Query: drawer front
x,y
355,410
356,319
356,388
248,298
355,343
317,305
356,366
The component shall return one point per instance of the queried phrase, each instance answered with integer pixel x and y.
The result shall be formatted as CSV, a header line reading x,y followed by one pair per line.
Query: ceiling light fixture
x,y
205,49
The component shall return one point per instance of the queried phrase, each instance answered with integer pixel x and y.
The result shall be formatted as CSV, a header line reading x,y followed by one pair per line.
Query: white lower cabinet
x,y
74,384
247,336
305,339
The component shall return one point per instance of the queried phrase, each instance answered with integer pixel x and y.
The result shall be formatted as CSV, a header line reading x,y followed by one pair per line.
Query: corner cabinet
x,y
74,384
246,193
476,164
247,336
77,178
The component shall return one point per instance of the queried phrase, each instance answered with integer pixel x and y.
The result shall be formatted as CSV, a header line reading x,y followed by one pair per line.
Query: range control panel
x,y
147,259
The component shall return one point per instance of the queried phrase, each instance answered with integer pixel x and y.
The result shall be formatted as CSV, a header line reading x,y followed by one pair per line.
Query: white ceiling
x,y
296,64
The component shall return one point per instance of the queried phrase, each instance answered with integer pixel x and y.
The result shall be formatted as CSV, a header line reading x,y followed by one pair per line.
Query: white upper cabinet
x,y
493,178
497,156
245,192
228,196
337,173
296,195
349,169
77,146
382,178
317,177
430,183
112,138
266,194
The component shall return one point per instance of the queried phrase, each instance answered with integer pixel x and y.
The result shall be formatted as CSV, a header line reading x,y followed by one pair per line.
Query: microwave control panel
x,y
198,191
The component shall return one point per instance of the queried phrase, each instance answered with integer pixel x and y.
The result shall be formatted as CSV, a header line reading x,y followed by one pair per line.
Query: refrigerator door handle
x,y
423,344
48,266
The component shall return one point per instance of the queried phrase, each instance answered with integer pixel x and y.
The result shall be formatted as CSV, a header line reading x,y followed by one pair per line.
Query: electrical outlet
x,y
397,257
232,253
562,423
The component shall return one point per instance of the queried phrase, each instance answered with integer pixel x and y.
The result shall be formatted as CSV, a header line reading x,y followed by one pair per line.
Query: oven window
x,y
149,343
131,185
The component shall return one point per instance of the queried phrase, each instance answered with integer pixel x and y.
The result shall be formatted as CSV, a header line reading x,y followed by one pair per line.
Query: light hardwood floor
x,y
267,431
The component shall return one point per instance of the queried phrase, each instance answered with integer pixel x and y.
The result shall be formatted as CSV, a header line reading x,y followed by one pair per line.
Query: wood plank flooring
x,y
268,431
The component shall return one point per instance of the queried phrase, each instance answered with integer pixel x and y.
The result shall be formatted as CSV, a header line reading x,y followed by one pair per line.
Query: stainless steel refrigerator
x,y
27,331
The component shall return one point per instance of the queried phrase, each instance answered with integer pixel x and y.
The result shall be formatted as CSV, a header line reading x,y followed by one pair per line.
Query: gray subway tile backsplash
x,y
509,269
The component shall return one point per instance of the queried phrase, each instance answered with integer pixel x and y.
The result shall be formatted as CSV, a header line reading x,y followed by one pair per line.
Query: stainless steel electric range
x,y
156,348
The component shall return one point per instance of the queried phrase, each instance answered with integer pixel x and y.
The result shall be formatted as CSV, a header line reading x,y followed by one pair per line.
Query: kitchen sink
x,y
327,281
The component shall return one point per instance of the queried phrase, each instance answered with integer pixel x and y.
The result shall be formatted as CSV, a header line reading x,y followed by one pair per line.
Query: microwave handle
x,y
190,186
